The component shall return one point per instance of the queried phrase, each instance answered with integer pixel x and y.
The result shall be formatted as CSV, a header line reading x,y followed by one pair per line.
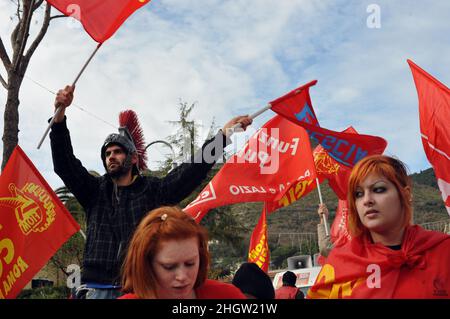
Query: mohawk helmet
x,y
130,138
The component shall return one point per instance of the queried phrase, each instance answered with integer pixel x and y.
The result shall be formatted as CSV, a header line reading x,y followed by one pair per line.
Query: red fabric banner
x,y
100,18
33,224
336,173
434,113
258,251
339,232
345,148
277,156
361,269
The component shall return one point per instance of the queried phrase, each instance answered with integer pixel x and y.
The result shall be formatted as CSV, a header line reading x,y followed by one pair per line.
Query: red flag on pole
x,y
328,168
339,232
258,251
345,148
275,157
434,113
100,18
33,224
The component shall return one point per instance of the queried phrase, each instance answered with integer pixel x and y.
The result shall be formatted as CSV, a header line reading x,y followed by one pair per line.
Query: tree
x,y
185,138
16,64
220,222
72,250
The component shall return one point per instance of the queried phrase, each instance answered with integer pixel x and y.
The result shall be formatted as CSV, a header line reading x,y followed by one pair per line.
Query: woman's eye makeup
x,y
379,189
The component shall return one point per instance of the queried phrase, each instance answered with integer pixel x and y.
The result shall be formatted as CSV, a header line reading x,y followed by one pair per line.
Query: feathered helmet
x,y
130,138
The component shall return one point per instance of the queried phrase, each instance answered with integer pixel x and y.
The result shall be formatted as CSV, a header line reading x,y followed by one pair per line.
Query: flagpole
x,y
58,109
321,202
252,116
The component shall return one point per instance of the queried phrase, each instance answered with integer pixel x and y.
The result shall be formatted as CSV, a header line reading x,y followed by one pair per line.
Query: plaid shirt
x,y
112,218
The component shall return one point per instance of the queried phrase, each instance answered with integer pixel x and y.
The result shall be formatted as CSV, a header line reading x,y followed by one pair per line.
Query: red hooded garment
x,y
361,269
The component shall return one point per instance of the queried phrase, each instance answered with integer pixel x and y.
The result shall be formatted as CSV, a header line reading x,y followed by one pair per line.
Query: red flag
x,y
275,157
258,251
327,168
296,105
33,224
293,193
434,113
339,232
345,148
100,18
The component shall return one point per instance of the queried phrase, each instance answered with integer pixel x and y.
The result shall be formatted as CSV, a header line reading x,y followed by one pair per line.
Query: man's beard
x,y
121,169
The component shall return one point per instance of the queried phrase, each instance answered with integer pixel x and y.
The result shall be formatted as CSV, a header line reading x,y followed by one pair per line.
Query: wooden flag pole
x,y
325,223
58,109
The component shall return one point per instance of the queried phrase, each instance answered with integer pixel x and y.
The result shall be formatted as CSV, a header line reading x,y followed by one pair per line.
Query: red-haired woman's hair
x,y
138,275
393,170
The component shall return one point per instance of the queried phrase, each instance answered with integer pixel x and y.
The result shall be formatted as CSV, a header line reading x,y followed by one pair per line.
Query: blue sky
x,y
232,57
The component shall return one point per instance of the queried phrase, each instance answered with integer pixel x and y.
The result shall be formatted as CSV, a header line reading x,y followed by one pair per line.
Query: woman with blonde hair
x,y
388,257
168,258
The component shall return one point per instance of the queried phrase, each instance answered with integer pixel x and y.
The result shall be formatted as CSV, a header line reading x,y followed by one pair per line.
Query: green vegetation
x,y
45,293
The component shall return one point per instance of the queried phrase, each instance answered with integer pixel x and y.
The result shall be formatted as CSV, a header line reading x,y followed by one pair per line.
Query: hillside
x,y
301,216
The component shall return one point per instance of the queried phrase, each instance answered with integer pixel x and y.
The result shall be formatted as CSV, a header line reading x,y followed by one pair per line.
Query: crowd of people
x,y
141,245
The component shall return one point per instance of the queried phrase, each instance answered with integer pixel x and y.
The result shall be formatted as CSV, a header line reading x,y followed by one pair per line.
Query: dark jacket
x,y
112,216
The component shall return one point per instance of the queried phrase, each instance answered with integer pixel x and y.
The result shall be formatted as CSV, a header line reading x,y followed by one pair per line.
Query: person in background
x,y
387,257
289,290
253,282
325,244
168,258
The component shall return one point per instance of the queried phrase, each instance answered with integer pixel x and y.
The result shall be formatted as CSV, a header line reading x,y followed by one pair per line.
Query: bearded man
x,y
116,202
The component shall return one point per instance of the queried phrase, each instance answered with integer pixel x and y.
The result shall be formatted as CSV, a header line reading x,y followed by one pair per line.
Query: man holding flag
x,y
116,202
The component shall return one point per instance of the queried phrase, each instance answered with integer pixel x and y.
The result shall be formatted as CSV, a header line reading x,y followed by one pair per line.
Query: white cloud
x,y
232,57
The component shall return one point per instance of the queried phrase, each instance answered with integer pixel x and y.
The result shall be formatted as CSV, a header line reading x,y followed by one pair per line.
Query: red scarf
x,y
353,268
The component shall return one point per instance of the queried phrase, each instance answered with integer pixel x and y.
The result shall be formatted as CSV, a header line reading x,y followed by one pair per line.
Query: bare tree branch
x,y
37,5
4,56
15,32
18,10
25,32
59,265
3,82
58,16
41,34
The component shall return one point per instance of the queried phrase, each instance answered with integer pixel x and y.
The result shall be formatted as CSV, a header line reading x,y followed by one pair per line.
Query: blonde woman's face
x,y
378,204
176,268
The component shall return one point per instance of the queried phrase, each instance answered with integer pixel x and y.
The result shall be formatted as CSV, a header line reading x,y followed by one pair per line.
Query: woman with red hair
x,y
168,258
388,257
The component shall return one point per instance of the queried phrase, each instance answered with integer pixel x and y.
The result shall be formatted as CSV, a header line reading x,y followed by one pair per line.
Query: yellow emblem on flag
x,y
33,207
325,164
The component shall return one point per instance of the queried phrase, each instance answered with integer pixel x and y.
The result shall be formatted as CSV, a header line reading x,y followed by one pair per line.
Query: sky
x,y
232,57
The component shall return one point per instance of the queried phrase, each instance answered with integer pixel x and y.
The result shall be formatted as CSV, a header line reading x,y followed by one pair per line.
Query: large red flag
x,y
33,224
258,251
345,148
434,113
100,18
277,156
328,168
